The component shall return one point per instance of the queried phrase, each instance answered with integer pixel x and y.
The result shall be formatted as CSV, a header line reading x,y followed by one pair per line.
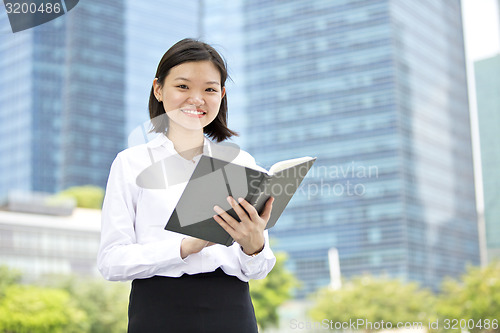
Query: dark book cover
x,y
213,180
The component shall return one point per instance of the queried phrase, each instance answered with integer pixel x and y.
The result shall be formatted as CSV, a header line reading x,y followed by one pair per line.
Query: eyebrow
x,y
184,79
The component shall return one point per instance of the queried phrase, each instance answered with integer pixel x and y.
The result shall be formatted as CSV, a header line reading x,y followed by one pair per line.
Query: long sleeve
x,y
134,242
120,257
258,266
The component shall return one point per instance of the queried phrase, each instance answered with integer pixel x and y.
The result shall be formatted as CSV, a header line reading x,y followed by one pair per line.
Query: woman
x,y
181,283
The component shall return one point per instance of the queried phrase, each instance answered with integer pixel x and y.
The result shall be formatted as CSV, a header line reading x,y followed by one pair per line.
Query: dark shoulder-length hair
x,y
188,50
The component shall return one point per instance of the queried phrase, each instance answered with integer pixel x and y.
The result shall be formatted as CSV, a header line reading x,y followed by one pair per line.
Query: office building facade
x,y
45,245
223,24
151,28
62,99
93,117
487,78
75,88
377,91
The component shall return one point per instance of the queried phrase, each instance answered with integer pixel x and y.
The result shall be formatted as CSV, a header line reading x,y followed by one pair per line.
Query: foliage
x,y
66,304
475,299
105,303
269,293
35,309
374,299
88,196
8,277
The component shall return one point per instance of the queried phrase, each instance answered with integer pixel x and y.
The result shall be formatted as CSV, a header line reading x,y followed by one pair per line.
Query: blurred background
x,y
399,220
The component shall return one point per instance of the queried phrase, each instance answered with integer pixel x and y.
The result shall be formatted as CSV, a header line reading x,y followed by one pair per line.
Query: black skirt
x,y
201,303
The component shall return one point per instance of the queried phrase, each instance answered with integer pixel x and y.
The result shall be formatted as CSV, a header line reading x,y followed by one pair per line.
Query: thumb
x,y
266,214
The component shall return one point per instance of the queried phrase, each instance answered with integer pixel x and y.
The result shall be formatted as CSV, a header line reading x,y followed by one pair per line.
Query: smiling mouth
x,y
193,112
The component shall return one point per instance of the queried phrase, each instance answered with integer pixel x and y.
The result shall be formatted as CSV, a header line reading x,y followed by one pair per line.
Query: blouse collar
x,y
163,140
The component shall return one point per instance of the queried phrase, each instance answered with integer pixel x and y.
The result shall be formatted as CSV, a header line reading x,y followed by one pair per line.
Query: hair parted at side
x,y
188,50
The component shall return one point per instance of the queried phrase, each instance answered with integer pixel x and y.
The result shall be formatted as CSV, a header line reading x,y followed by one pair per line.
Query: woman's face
x,y
191,95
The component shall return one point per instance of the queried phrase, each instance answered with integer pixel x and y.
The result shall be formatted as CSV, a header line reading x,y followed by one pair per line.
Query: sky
x,y
481,27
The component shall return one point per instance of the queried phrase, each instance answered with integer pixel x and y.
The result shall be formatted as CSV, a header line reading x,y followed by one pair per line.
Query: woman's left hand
x,y
249,231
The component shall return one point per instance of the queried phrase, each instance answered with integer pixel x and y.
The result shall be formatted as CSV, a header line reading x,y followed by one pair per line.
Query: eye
x,y
182,86
211,90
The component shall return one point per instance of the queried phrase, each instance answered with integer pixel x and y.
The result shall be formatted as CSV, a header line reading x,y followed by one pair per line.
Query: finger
x,y
251,211
230,230
266,214
226,217
242,214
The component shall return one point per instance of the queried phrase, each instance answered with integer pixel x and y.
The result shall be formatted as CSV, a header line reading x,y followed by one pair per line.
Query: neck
x,y
188,143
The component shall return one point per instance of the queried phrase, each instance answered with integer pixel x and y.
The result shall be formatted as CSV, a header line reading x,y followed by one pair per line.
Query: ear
x,y
223,93
157,89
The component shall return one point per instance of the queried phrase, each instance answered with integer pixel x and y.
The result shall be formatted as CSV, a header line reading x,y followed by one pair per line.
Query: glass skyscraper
x,y
62,105
487,75
151,28
377,90
223,26
93,121
16,103
74,88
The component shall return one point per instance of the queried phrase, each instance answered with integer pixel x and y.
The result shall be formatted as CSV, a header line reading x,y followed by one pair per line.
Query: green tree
x,y
88,196
474,300
269,293
105,303
374,299
8,277
35,309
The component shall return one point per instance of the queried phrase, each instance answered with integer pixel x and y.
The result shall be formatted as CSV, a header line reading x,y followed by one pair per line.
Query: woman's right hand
x,y
192,245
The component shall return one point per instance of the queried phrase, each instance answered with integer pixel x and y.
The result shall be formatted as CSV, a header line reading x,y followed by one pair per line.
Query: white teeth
x,y
193,112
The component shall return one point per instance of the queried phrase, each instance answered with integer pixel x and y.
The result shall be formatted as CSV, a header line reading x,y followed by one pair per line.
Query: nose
x,y
196,99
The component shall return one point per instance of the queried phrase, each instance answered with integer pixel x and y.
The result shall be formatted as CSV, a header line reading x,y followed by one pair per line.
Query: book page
x,y
287,164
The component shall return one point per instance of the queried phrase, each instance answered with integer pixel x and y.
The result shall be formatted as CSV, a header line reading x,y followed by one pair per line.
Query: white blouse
x,y
134,243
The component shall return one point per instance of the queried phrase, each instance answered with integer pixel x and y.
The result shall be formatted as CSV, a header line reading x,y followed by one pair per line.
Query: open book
x,y
213,180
